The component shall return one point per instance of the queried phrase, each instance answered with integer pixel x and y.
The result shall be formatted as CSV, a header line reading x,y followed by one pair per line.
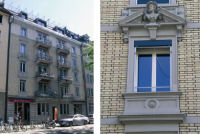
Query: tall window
x,y
64,108
23,32
67,108
73,50
43,87
157,1
22,66
22,48
64,90
22,87
77,91
90,92
42,53
74,63
42,69
41,37
153,70
76,76
61,59
91,107
63,72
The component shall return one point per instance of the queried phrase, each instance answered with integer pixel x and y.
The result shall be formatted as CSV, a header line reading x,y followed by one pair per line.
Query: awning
x,y
22,100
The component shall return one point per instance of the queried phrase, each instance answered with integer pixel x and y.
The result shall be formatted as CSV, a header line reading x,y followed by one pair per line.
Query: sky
x,y
76,15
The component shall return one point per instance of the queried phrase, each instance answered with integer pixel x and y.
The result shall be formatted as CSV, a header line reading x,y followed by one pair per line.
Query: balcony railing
x,y
42,42
45,76
64,64
65,79
22,56
68,96
48,93
43,59
62,49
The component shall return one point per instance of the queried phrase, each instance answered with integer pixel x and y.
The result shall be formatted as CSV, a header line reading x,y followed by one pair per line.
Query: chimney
x,y
2,3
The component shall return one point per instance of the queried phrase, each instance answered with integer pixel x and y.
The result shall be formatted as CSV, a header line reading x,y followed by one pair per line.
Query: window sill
x,y
132,94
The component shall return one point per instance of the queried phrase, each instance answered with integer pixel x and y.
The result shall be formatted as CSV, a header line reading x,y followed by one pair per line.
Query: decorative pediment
x,y
151,17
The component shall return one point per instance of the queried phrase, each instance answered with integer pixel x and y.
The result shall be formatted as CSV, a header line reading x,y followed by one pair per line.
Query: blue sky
x,y
76,15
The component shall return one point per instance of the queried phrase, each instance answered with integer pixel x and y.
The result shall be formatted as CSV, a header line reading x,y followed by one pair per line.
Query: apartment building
x,y
5,18
46,77
150,66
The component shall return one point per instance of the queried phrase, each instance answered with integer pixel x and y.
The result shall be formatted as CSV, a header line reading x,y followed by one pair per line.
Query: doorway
x,y
27,112
54,113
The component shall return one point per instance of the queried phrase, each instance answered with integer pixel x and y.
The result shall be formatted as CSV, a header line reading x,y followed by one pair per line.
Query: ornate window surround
x,y
133,3
156,112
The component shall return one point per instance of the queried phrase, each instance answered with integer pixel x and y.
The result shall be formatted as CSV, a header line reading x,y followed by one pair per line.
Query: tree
x,y
89,52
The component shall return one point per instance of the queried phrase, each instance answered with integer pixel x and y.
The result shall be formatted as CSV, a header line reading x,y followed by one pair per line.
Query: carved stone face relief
x,y
151,13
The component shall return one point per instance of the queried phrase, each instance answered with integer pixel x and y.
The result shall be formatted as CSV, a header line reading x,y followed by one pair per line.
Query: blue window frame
x,y
163,72
144,73
157,1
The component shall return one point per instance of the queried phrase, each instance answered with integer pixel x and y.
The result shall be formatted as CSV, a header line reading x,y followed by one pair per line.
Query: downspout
x,y
84,80
11,18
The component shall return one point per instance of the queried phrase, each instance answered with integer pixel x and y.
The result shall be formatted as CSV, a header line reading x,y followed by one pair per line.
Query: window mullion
x,y
154,72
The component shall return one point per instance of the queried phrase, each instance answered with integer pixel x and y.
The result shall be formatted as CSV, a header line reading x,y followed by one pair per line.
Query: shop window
x,y
39,109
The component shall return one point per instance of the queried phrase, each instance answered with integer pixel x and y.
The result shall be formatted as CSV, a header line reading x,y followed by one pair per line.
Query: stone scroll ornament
x,y
151,13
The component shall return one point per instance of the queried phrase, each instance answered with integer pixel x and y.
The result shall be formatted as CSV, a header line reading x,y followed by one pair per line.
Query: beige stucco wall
x,y
4,28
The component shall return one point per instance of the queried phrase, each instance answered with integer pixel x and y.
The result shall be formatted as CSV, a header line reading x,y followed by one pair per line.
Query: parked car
x,y
77,119
91,118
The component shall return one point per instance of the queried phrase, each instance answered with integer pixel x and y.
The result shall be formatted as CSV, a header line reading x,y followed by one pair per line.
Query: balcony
x,y
45,94
65,80
22,56
45,59
64,64
62,49
68,96
41,42
44,77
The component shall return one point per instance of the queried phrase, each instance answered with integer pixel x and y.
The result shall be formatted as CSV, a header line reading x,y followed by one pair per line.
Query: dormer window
x,y
157,1
40,22
23,15
59,30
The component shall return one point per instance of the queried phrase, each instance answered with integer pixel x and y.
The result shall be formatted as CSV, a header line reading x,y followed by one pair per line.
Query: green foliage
x,y
89,52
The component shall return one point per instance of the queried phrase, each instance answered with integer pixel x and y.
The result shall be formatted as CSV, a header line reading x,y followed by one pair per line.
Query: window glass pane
x,y
157,1
144,73
163,72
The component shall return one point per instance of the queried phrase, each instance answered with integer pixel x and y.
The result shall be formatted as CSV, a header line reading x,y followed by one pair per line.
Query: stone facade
x,y
35,88
114,66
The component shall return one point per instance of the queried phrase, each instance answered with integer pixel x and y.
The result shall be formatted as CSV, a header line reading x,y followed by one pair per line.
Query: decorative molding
x,y
114,121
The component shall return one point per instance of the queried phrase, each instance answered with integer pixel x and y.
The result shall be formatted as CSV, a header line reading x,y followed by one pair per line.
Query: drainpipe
x,y
84,80
11,18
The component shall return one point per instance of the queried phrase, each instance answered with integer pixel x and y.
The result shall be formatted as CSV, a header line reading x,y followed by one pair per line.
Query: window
x,y
91,107
67,108
73,50
153,67
64,90
41,37
76,76
61,59
22,66
61,109
63,72
1,19
47,108
38,109
23,32
77,91
157,1
91,78
42,69
64,108
74,63
41,23
43,87
61,44
90,92
42,53
22,86
22,48
88,78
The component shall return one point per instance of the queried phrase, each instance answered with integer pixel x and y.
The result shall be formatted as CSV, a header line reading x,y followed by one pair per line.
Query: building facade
x,y
4,39
46,71
150,66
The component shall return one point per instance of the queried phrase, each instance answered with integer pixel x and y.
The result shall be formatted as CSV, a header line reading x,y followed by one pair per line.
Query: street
x,y
85,129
